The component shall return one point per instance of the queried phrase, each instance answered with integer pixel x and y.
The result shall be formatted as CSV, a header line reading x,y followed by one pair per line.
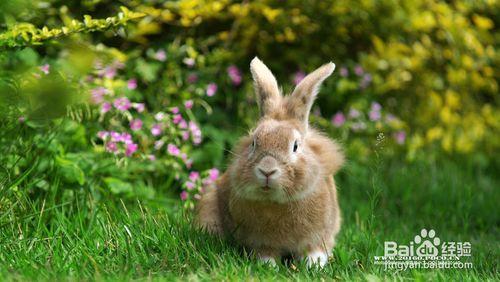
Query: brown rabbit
x,y
278,195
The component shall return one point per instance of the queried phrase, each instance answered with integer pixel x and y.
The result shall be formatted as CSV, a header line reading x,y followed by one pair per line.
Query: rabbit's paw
x,y
268,260
316,258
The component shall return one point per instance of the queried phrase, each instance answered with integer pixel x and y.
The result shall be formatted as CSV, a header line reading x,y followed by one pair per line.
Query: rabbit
x,y
278,196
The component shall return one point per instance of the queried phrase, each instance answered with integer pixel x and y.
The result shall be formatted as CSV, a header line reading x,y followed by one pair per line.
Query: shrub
x,y
124,104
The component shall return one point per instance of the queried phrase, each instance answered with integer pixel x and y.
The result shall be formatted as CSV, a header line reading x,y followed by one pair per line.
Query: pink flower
x,y
156,129
192,78
122,103
235,75
151,157
98,94
121,137
105,107
109,72
353,113
115,136
190,185
213,174
193,126
21,119
45,68
184,195
132,84
187,161
111,147
185,135
173,150
367,78
298,76
183,124
196,140
400,137
376,106
176,119
338,119
160,55
139,107
374,115
358,70
126,138
102,134
175,110
136,124
344,72
195,132
189,62
194,175
159,116
131,148
188,104
211,89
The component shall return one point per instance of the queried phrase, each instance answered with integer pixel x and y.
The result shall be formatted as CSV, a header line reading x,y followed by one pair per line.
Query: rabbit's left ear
x,y
266,87
301,100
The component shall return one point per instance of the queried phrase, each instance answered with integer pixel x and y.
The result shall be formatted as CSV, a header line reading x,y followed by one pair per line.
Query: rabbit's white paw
x,y
317,258
268,260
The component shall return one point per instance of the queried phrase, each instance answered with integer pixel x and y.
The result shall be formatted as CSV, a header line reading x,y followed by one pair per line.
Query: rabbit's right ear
x,y
266,87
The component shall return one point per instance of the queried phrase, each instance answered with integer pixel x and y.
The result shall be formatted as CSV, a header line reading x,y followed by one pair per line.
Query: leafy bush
x,y
155,96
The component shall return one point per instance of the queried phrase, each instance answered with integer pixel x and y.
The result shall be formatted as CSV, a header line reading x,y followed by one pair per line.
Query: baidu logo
x,y
428,243
426,250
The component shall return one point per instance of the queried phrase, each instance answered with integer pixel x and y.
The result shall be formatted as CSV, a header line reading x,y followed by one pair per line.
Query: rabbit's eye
x,y
253,143
295,146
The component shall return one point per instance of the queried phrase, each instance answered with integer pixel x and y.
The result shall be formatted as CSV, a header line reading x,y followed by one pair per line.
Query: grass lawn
x,y
387,201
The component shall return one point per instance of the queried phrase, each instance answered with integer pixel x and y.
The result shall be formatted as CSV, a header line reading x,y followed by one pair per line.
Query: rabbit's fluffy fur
x,y
278,196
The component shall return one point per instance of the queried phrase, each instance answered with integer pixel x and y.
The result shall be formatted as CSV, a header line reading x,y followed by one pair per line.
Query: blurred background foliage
x,y
416,79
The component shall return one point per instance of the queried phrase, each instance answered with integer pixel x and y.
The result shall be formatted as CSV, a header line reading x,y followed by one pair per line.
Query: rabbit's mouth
x,y
266,188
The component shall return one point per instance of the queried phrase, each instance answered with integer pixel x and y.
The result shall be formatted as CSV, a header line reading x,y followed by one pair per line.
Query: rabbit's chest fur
x,y
288,227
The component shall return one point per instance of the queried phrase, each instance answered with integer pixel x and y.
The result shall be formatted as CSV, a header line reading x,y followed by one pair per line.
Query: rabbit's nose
x,y
267,169
267,173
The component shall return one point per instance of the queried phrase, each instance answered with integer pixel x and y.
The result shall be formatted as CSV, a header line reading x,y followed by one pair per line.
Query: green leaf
x,y
147,71
116,186
28,56
70,171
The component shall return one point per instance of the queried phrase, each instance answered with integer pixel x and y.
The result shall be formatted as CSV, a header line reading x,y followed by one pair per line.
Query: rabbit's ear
x,y
266,87
300,102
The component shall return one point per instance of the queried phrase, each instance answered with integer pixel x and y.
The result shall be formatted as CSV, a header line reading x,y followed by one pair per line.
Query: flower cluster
x,y
196,184
362,76
357,121
130,129
235,75
118,143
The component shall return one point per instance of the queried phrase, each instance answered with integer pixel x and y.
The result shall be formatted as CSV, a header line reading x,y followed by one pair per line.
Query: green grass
x,y
46,239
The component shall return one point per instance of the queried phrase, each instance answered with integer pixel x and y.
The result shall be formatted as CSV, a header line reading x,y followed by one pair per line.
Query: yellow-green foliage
x,y
23,34
433,61
441,67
